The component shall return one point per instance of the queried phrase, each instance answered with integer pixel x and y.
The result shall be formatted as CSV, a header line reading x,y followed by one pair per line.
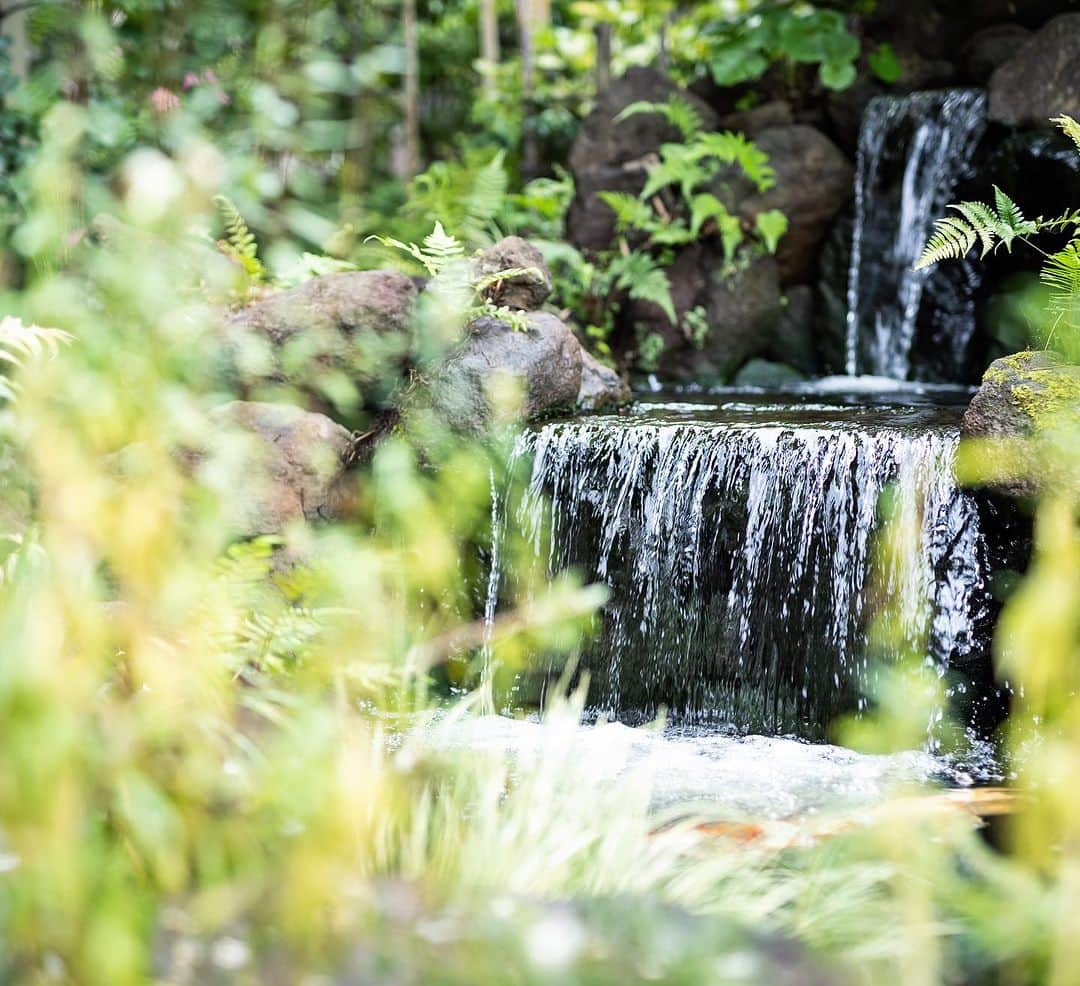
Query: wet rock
x,y
293,464
545,361
601,386
767,375
776,113
526,292
349,329
813,183
1017,392
1040,80
991,47
725,317
793,340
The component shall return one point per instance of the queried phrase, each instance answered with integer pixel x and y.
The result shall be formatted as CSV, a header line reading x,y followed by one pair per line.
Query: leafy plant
x,y
743,49
20,342
454,277
239,242
993,226
467,195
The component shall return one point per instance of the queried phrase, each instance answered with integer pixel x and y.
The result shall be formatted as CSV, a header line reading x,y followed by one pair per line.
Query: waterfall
x,y
738,555
912,151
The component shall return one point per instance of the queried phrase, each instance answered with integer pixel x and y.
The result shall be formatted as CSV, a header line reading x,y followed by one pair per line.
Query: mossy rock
x,y
1015,418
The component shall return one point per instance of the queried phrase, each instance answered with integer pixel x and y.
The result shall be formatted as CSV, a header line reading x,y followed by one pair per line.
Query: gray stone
x,y
793,340
524,292
991,47
601,386
292,464
1040,80
356,324
545,361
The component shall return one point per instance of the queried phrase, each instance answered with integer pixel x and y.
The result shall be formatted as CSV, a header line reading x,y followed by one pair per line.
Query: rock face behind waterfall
x,y
1040,80
738,556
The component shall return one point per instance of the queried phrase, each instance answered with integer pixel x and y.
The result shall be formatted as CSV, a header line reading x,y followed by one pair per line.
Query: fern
x,y
439,251
239,242
485,200
1069,127
679,112
991,226
20,342
1061,274
455,280
468,196
630,211
735,149
643,280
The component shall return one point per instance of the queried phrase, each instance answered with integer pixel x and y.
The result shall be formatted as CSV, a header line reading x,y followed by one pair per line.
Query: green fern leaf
x,y
485,200
771,226
1069,127
1061,274
639,276
679,112
952,239
630,211
239,240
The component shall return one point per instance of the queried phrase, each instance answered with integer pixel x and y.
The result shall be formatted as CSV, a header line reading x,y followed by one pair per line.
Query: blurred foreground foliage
x,y
207,778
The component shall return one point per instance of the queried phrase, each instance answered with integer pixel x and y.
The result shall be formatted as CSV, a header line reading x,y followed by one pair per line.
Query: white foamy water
x,y
759,777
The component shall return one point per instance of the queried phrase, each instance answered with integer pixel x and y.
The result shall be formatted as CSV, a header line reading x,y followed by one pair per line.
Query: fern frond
x,y
643,280
1061,274
440,249
485,200
487,281
771,227
20,342
239,240
1069,127
679,112
1012,219
983,221
736,149
630,211
951,240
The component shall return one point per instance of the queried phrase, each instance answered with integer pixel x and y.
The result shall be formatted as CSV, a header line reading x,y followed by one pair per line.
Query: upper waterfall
x,y
912,151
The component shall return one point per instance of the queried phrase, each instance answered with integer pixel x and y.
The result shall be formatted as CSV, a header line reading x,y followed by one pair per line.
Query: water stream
x,y
736,538
912,152
740,534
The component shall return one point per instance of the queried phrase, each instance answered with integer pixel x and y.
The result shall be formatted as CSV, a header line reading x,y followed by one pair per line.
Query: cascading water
x,y
912,152
737,543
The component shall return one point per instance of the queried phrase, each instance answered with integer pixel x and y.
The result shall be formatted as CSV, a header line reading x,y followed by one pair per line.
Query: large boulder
x,y
737,313
544,361
292,463
343,337
525,292
1040,80
610,156
991,47
813,183
1021,398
